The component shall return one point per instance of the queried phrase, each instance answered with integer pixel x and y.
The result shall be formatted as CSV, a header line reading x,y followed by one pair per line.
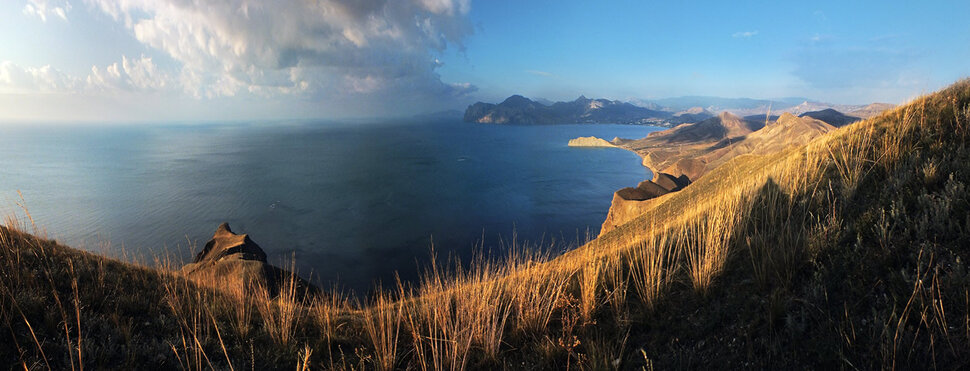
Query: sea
x,y
347,204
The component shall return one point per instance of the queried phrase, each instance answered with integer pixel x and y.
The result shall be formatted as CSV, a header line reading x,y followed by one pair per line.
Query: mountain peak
x,y
516,98
728,116
831,116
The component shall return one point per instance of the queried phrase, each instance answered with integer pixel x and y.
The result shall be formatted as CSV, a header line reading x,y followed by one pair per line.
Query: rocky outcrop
x,y
590,142
630,202
233,261
671,183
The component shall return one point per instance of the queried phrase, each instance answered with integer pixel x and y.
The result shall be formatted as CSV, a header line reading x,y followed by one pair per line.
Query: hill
x,y
693,114
833,251
832,117
690,151
847,251
695,149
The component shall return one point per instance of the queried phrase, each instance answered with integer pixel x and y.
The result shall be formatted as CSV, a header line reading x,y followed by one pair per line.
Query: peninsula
x,y
689,151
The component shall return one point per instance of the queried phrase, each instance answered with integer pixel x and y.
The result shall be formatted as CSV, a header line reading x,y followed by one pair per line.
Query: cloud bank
x,y
372,54
315,47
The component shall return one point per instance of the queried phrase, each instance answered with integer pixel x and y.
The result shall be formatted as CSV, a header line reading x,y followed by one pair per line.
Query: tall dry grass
x,y
652,265
707,244
590,276
282,314
616,284
382,323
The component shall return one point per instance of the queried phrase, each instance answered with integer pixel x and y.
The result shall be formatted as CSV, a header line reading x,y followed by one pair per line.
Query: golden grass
x,y
282,314
652,263
617,280
382,323
589,283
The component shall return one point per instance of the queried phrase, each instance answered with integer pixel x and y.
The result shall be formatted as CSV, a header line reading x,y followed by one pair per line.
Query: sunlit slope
x,y
837,161
854,244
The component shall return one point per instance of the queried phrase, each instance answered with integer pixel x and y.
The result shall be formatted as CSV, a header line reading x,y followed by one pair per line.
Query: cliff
x,y
630,202
590,142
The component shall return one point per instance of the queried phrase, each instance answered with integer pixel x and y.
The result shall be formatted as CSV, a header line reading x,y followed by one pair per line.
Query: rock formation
x,y
630,202
234,261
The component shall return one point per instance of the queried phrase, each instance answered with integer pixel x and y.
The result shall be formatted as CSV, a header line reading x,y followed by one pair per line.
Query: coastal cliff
x,y
590,142
630,202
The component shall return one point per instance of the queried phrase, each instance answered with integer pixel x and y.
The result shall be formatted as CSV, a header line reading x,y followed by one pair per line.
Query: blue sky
x,y
163,60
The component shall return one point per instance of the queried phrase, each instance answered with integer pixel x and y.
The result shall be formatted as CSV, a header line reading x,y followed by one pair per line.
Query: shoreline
x,y
597,142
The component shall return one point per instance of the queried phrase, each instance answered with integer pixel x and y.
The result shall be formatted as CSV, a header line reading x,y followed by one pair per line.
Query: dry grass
x,y
382,323
589,284
283,313
653,264
617,281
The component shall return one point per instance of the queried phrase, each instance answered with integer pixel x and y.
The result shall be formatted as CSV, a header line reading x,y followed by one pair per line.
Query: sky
x,y
227,60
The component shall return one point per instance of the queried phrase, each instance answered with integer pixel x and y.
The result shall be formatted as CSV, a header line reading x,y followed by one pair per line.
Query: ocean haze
x,y
353,202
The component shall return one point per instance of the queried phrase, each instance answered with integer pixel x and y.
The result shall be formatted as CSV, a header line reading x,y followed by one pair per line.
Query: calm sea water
x,y
352,202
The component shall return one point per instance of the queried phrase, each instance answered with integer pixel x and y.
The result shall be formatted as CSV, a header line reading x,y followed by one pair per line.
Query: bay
x,y
348,203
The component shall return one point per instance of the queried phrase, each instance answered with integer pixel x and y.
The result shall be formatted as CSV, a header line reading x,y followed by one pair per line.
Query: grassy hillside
x,y
847,252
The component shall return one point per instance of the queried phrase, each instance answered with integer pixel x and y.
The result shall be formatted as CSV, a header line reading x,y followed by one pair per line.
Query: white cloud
x,y
539,73
744,34
43,8
143,74
15,79
133,74
321,48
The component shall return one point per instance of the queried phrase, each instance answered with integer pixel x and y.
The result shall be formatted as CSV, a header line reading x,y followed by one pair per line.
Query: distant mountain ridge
x,y
521,110
667,112
749,106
